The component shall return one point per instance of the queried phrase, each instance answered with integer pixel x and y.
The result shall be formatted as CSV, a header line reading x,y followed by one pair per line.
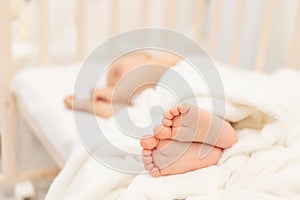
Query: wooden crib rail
x,y
8,114
170,22
145,14
264,39
215,27
44,30
80,28
198,15
237,34
171,14
294,50
43,11
113,29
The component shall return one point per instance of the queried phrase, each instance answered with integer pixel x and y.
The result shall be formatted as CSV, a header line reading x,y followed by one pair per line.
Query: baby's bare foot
x,y
100,108
189,123
166,157
76,104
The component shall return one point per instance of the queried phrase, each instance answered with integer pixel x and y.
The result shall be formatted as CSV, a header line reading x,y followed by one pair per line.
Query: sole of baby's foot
x,y
189,123
169,157
100,108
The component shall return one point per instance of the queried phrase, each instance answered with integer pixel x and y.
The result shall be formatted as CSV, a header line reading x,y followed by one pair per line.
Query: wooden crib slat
x,y
145,8
199,19
44,32
237,35
170,19
294,49
214,31
263,43
113,17
171,14
8,118
81,6
144,19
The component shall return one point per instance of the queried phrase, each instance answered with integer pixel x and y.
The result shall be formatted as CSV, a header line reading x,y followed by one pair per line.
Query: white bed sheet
x,y
264,164
41,91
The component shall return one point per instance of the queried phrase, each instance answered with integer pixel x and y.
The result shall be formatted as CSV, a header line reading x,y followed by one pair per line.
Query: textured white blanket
x,y
264,164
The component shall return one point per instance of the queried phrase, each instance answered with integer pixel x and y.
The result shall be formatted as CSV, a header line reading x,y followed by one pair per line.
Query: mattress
x,y
41,91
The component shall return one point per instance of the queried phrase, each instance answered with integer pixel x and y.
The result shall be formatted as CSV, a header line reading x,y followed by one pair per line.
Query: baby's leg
x,y
101,99
193,124
102,94
167,157
100,108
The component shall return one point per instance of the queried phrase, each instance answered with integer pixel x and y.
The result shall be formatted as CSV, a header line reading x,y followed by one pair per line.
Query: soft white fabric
x,y
41,91
264,164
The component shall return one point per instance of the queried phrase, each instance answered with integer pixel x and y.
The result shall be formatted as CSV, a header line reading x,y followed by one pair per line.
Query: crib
x,y
10,105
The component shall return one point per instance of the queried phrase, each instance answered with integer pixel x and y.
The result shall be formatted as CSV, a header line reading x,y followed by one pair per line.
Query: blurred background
x,y
62,26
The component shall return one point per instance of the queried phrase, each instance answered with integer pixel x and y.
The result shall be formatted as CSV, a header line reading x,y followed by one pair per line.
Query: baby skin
x,y
182,143
100,101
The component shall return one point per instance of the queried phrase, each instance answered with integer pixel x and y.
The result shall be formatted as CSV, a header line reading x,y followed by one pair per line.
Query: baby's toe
x,y
163,132
167,122
149,142
175,111
168,115
149,167
147,159
155,171
146,152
